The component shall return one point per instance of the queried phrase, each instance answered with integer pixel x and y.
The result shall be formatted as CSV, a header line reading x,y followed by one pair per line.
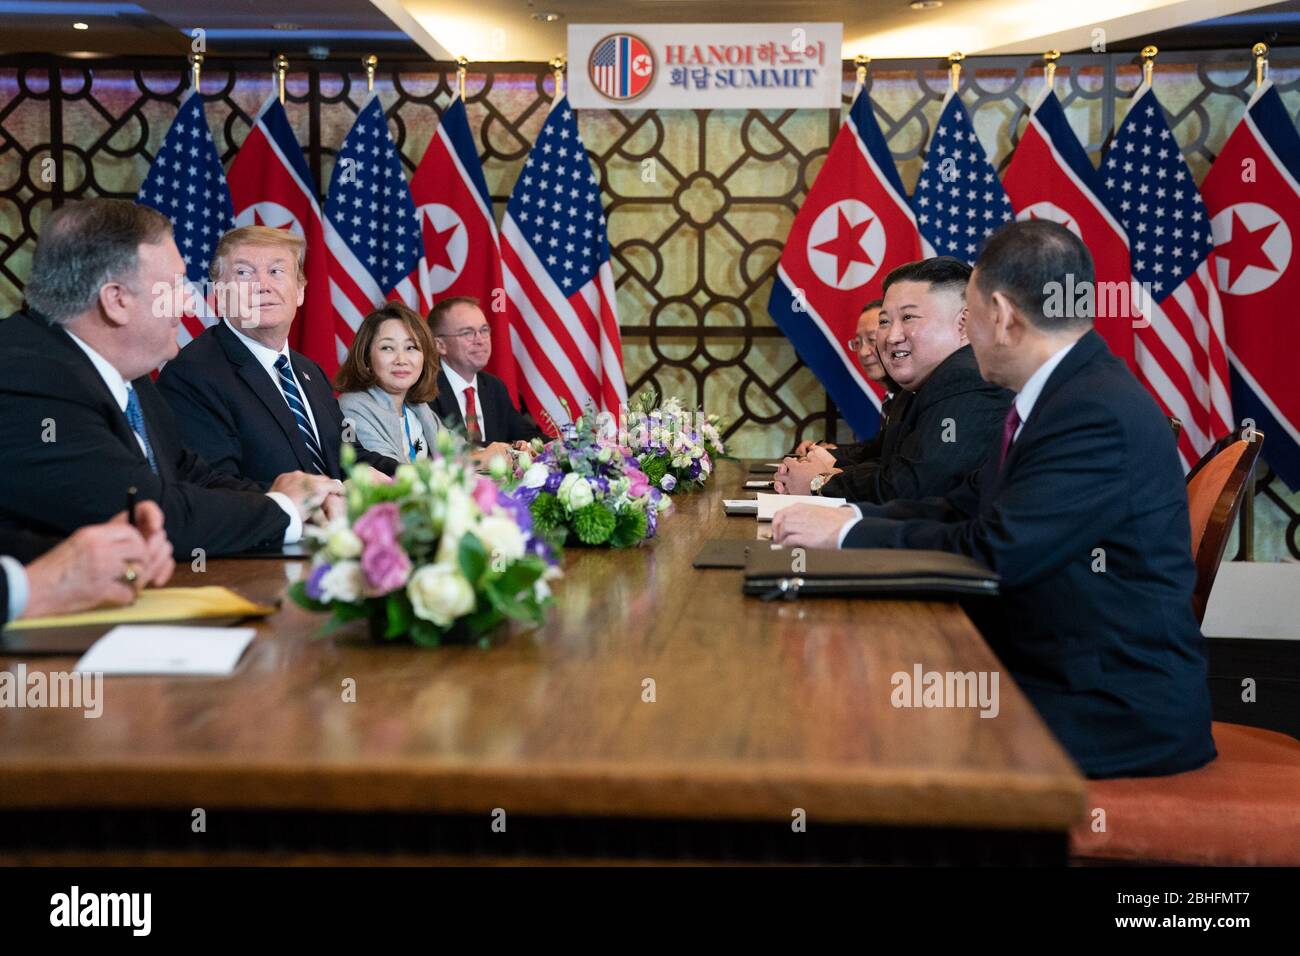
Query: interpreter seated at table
x,y
471,400
863,344
249,404
946,417
99,565
1081,510
387,380
83,422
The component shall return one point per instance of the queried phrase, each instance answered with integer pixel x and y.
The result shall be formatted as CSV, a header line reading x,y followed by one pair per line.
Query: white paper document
x,y
167,649
769,505
740,506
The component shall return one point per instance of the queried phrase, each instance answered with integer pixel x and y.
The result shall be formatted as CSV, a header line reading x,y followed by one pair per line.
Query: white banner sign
x,y
688,66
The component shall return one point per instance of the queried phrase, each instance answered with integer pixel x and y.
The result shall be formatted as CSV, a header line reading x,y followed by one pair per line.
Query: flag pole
x,y
370,63
557,64
281,63
196,69
1149,53
1260,52
462,67
1049,69
954,69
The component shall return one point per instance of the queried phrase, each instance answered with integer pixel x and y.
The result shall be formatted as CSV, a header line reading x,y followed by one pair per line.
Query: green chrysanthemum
x,y
630,529
547,511
655,468
593,524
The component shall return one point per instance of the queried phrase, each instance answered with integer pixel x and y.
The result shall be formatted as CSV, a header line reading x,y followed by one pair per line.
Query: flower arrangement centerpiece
x,y
584,484
440,555
675,448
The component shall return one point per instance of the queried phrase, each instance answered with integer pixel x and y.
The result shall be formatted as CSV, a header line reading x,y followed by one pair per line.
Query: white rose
x,y
502,537
344,582
536,476
440,593
579,494
343,543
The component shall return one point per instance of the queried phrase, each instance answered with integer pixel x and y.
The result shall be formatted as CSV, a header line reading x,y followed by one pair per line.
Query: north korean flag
x,y
1051,177
853,228
1252,195
462,253
271,185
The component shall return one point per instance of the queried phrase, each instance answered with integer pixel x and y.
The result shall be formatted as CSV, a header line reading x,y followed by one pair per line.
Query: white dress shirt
x,y
458,386
17,580
266,357
1024,401
121,391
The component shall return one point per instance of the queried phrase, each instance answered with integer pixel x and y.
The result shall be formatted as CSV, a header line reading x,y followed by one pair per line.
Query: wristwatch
x,y
815,486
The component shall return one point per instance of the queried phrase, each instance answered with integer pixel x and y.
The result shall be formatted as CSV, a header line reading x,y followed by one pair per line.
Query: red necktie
x,y
472,431
1009,433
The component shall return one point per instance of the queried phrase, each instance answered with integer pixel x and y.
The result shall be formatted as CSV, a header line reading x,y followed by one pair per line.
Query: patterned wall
x,y
698,202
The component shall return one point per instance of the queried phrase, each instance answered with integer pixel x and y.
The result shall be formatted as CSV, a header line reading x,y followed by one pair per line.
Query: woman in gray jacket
x,y
387,381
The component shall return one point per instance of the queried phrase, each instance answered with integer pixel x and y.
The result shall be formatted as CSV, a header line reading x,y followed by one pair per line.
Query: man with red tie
x,y
468,397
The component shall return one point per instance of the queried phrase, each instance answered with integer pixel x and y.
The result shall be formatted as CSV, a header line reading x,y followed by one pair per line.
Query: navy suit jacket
x,y
501,421
236,417
70,454
1086,522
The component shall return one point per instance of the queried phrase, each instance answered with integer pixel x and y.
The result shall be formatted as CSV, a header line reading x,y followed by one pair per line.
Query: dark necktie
x,y
299,409
1009,433
472,431
135,418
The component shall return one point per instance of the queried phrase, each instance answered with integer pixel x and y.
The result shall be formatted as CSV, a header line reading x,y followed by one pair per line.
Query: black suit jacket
x,y
933,438
1087,525
236,417
70,455
501,422
856,453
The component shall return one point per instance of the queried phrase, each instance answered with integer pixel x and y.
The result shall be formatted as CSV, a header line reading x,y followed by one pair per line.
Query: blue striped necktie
x,y
135,418
299,409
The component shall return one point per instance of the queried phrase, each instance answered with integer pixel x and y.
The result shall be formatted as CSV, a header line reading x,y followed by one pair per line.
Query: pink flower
x,y
639,484
379,525
386,567
485,495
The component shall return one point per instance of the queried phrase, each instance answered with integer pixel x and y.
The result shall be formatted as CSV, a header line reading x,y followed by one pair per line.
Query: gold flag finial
x,y
954,68
462,68
1049,70
1260,52
860,63
370,63
281,68
196,68
557,66
1148,62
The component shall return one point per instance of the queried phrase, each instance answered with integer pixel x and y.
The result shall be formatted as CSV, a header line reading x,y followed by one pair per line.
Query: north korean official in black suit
x,y
84,423
1081,510
250,405
469,398
946,416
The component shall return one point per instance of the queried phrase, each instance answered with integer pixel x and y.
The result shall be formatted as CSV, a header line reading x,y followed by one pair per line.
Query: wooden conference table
x,y
771,736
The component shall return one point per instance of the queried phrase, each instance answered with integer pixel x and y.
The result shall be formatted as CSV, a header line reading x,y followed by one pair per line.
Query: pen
x,y
130,505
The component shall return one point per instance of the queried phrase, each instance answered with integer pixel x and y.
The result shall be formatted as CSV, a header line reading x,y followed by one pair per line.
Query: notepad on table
x,y
156,605
167,649
769,505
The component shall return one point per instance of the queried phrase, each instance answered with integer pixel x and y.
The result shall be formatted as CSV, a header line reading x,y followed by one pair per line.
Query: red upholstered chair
x,y
1244,807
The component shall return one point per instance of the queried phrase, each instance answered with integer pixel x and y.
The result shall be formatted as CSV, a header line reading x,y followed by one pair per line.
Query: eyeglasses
x,y
483,331
855,344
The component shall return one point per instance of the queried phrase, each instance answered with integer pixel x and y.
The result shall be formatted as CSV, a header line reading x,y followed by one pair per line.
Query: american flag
x,y
558,281
371,226
959,200
187,185
1181,356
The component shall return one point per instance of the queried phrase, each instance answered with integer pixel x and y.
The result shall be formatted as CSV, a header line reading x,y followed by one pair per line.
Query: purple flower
x,y
667,482
651,521
312,587
386,567
379,524
553,481
601,485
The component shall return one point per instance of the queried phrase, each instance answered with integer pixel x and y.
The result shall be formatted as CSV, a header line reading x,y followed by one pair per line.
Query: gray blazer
x,y
379,426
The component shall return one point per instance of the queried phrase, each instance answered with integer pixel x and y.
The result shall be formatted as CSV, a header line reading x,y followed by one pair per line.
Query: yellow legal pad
x,y
159,604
